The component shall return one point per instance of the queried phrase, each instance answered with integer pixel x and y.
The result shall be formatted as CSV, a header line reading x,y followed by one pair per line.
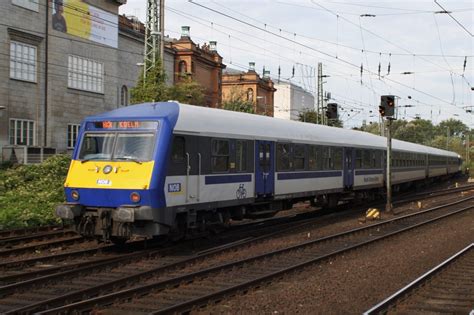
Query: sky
x,y
425,50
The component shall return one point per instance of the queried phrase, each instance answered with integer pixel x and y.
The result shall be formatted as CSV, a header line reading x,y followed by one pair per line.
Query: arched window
x,y
250,95
124,96
182,67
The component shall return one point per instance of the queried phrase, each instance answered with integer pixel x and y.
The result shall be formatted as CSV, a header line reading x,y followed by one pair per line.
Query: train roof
x,y
223,123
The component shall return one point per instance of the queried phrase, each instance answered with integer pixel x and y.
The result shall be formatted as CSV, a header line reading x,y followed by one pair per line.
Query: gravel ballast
x,y
352,283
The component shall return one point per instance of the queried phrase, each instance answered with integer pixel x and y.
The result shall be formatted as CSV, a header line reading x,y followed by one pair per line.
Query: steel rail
x,y
11,241
392,300
20,250
208,272
29,231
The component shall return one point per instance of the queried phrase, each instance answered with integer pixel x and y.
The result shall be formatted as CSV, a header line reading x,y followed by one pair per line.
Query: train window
x,y
367,157
314,158
377,159
241,155
134,146
299,157
283,157
358,160
178,151
97,146
326,152
220,155
337,158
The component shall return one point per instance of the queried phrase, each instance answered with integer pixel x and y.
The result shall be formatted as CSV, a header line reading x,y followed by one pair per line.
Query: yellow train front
x,y
114,187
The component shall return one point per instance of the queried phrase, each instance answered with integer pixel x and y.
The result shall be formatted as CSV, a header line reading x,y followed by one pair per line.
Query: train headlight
x,y
75,195
135,197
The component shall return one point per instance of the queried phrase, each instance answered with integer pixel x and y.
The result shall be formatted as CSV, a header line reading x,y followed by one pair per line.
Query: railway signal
x,y
387,110
387,106
331,112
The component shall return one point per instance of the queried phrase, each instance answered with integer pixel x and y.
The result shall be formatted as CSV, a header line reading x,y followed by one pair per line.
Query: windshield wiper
x,y
86,160
126,158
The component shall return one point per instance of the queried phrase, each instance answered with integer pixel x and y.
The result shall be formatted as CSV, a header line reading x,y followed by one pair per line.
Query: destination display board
x,y
123,124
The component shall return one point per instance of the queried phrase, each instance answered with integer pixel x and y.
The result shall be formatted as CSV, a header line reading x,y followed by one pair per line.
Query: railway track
x,y
5,234
201,280
80,263
446,289
39,268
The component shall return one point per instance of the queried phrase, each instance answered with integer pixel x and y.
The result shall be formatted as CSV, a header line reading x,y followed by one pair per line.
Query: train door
x,y
264,168
349,167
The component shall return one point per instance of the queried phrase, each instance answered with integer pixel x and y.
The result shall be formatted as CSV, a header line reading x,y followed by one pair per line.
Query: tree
x,y
187,91
454,126
237,102
153,89
373,128
416,131
311,116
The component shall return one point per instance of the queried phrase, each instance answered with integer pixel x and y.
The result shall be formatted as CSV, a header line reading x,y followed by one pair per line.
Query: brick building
x,y
250,86
201,64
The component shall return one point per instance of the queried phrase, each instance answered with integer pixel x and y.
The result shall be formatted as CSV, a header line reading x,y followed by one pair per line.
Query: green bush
x,y
29,193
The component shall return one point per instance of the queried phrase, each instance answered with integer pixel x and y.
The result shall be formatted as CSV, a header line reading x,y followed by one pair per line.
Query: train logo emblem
x,y
104,182
241,193
174,188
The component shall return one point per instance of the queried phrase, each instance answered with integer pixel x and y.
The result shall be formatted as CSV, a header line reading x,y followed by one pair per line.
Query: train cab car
x,y
116,173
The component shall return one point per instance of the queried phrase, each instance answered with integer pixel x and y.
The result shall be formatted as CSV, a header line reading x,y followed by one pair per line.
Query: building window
x,y
220,156
27,4
85,74
22,61
124,96
182,67
250,95
72,133
22,132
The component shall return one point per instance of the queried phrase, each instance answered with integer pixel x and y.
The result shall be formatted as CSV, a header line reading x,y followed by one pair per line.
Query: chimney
x,y
252,66
185,31
266,74
213,45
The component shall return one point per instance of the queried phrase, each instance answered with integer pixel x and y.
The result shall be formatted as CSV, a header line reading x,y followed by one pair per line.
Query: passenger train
x,y
172,169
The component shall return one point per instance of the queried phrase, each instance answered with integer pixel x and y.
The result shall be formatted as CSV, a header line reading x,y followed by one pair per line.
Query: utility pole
x,y
388,206
320,94
468,149
154,32
387,110
447,139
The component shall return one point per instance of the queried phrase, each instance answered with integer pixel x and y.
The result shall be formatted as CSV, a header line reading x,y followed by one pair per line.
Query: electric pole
x,y
154,34
320,94
388,206
387,110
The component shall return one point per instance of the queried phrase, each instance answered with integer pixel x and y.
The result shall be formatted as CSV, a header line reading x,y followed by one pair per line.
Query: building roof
x,y
231,71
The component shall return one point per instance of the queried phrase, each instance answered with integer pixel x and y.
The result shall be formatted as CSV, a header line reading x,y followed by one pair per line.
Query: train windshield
x,y
137,147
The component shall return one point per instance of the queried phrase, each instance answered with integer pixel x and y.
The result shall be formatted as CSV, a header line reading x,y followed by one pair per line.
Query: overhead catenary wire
x,y
311,48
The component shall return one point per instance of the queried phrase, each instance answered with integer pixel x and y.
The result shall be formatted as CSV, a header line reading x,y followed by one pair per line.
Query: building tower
x,y
154,34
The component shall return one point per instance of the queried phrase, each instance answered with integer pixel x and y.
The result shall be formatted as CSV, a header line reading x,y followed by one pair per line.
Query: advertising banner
x,y
75,17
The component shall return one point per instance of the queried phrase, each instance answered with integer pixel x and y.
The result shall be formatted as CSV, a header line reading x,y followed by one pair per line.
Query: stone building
x,y
200,63
62,62
292,100
251,87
